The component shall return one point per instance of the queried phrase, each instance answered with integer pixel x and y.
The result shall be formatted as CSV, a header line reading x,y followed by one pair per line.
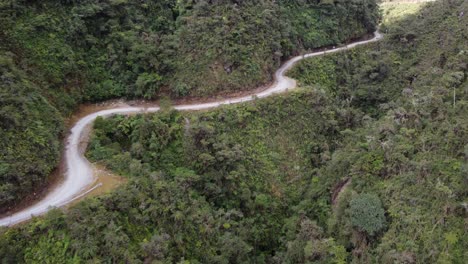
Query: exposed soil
x,y
106,181
339,189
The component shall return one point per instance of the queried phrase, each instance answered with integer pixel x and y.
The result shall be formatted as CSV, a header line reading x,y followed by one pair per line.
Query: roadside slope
x,y
79,171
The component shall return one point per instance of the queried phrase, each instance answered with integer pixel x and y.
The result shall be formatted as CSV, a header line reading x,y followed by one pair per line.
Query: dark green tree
x,y
367,214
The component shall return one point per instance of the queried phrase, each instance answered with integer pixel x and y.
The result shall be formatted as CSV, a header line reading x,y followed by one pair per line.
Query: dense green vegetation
x,y
215,187
29,151
394,10
57,54
111,48
366,165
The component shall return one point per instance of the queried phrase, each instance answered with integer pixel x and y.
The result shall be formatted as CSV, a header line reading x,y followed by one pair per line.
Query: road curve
x,y
79,176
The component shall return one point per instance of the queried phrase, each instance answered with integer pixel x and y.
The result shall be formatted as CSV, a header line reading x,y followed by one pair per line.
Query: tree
x,y
148,85
367,214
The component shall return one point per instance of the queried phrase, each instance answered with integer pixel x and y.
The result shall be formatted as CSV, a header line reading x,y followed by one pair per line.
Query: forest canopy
x,y
55,55
365,163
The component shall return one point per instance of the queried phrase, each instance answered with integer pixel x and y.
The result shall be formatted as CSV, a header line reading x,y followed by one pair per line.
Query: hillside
x,y
365,164
55,55
107,49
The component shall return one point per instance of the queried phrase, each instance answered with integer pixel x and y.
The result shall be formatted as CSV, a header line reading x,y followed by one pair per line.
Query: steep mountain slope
x,y
365,164
122,48
29,128
57,54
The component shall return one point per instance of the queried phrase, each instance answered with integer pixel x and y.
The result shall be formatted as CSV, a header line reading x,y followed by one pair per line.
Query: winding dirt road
x,y
79,177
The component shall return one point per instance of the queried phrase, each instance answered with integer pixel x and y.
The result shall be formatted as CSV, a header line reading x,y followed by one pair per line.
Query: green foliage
x,y
322,23
409,151
319,72
367,213
148,85
68,52
29,130
200,193
92,49
395,10
262,182
360,81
